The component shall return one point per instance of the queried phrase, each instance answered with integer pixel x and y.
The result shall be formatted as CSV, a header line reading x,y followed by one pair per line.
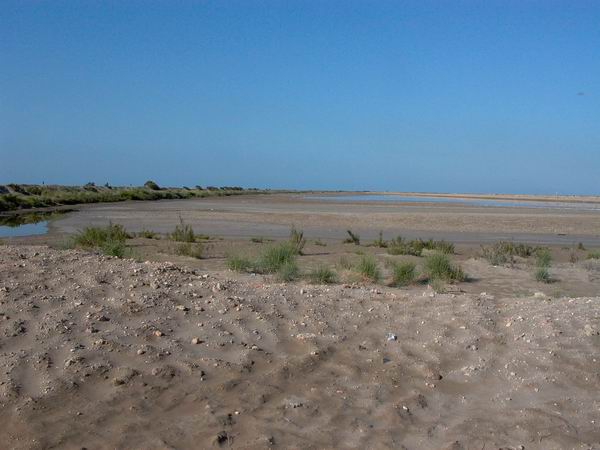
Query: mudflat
x,y
272,216
100,352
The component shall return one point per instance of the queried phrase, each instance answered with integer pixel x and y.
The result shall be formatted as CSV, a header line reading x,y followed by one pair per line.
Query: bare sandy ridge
x,y
98,353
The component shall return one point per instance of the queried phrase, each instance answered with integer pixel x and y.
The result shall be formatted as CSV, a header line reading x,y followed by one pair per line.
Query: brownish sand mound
x,y
105,353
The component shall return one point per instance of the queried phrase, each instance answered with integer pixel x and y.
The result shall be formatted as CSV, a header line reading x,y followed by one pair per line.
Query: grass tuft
x,y
288,271
367,268
277,256
110,240
322,275
439,267
542,275
403,273
189,249
297,241
238,263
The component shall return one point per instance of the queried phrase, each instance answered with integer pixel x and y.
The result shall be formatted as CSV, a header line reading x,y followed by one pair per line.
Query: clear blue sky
x,y
469,96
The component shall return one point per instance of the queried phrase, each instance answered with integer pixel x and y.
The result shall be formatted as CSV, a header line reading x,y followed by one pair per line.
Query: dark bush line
x,y
21,196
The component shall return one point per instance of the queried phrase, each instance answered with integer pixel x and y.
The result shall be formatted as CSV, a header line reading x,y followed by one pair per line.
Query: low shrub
x,y
503,252
147,234
297,241
189,249
183,232
379,242
439,267
152,185
322,275
595,254
400,246
403,273
415,247
352,238
368,269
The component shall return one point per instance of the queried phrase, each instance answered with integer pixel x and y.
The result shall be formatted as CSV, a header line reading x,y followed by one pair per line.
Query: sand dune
x,y
106,353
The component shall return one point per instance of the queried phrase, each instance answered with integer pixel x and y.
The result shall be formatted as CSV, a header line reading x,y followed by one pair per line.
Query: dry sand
x,y
101,353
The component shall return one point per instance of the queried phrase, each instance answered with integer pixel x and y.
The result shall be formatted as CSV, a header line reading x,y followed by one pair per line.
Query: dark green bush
x,y
152,185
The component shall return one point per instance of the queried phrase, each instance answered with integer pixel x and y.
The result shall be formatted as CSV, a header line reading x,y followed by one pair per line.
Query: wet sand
x,y
272,216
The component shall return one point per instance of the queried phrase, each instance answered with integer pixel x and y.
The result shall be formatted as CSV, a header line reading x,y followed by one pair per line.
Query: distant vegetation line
x,y
26,196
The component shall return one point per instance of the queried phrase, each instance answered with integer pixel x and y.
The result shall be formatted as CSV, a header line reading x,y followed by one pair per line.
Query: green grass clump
x,y
322,275
114,248
542,262
277,256
238,263
257,240
288,271
183,233
97,236
439,267
189,249
403,273
542,275
368,269
352,238
110,240
595,254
